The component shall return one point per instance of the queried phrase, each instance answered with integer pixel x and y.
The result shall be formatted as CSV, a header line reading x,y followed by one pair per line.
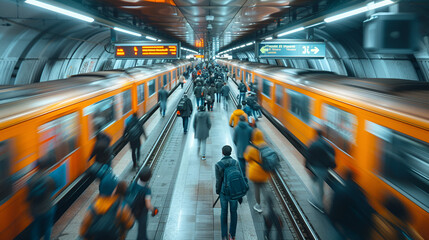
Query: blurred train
x,y
56,119
378,127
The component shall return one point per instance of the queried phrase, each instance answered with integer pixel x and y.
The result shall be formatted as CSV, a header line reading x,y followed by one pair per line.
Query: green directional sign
x,y
291,49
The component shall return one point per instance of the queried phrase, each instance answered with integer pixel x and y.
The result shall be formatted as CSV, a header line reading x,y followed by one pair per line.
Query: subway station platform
x,y
183,185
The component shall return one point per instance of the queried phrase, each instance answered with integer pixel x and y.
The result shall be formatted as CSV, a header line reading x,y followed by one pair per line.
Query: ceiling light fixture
x,y
269,38
60,10
368,7
291,31
151,38
209,18
126,31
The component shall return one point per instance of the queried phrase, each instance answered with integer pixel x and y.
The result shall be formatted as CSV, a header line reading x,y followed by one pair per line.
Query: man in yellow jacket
x,y
102,204
254,170
235,116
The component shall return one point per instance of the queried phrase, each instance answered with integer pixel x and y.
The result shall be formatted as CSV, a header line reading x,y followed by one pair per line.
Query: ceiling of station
x,y
187,20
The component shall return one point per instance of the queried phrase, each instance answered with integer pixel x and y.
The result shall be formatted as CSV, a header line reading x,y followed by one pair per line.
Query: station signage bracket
x,y
147,50
290,48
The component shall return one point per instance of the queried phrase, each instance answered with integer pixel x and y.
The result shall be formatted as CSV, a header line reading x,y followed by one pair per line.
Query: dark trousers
x,y
43,224
142,228
135,152
218,96
185,123
181,85
233,205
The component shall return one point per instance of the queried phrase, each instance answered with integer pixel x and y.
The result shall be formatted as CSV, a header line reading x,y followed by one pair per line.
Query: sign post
x,y
147,50
291,49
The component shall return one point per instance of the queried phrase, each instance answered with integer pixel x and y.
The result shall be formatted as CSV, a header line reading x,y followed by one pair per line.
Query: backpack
x,y
234,183
181,106
104,226
135,199
270,159
134,132
243,88
38,190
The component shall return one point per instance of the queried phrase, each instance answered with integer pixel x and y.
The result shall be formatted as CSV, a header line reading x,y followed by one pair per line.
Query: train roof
x,y
388,95
22,102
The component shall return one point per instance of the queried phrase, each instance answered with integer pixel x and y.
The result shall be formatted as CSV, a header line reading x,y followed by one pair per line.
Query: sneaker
x,y
315,206
203,158
257,208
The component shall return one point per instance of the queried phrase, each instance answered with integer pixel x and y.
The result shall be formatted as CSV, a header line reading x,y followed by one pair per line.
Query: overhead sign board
x,y
147,50
291,49
199,56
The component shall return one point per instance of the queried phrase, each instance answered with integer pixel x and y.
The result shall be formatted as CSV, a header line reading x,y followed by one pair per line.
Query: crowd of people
x,y
119,206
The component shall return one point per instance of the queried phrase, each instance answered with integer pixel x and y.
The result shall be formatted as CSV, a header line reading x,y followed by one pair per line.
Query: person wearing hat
x,y
202,125
102,204
41,187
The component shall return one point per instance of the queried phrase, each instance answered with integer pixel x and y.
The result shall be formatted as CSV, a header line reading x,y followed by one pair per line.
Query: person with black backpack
x,y
184,110
139,198
132,134
231,187
109,217
40,189
243,89
255,171
102,150
319,159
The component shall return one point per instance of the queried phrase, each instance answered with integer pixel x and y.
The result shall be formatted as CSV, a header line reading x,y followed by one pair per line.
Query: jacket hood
x,y
258,137
238,112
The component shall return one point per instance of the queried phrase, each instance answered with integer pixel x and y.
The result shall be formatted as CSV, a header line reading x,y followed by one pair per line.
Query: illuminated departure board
x,y
147,50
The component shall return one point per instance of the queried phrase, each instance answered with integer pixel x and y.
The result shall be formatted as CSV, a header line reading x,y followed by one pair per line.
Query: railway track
x,y
300,223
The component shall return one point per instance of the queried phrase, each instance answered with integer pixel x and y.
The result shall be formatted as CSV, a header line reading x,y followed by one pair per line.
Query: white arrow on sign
x,y
315,50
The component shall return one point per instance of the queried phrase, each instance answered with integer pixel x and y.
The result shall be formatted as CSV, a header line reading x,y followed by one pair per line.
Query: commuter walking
x,y
142,203
235,116
241,139
219,86
212,92
224,194
132,133
40,189
101,150
162,99
202,125
185,110
109,216
225,94
243,89
198,91
272,220
320,158
182,80
252,102
255,172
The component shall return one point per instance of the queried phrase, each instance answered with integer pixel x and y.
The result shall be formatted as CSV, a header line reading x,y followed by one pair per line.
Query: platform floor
x,y
183,186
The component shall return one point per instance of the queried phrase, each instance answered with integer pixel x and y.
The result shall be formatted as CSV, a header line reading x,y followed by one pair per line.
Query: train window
x,y
404,162
279,95
159,83
126,100
102,114
164,81
58,138
248,77
238,72
140,93
174,74
6,184
266,87
299,105
151,87
340,127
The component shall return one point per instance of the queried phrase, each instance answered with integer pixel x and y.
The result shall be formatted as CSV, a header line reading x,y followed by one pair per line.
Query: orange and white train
x,y
378,127
57,118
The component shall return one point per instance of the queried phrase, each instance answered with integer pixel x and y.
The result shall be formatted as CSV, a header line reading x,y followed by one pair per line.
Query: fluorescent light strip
x,y
151,38
248,44
269,38
370,6
60,10
126,31
291,31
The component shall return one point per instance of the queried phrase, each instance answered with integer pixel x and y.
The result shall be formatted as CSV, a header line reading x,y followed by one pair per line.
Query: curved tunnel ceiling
x,y
233,19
